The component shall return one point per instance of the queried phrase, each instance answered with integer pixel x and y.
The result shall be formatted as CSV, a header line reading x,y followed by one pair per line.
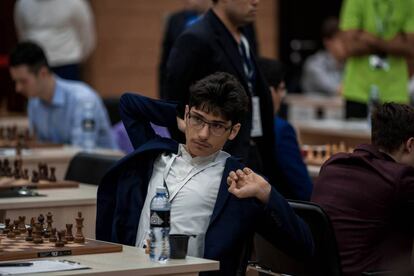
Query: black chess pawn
x,y
6,226
52,237
16,230
29,236
35,176
22,224
37,233
41,220
52,177
69,236
79,238
59,242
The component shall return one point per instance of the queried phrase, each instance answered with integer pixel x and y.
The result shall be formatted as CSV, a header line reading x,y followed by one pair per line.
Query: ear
x,y
234,131
43,71
409,144
186,111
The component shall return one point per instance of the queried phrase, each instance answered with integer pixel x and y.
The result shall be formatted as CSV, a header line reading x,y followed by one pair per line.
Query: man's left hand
x,y
246,183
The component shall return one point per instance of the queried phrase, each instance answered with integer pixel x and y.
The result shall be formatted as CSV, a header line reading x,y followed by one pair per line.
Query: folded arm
x,y
137,112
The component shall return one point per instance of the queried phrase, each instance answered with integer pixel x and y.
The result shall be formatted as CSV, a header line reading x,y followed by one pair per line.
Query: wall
x,y
129,38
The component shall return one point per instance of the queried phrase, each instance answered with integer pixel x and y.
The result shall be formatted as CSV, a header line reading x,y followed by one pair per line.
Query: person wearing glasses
x,y
212,195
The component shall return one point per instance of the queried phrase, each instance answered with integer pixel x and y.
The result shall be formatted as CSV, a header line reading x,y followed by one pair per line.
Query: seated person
x,y
290,166
56,106
220,201
361,192
322,72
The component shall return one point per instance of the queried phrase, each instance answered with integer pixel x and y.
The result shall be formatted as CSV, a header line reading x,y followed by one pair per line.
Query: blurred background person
x,y
176,23
64,29
322,72
57,107
290,166
378,37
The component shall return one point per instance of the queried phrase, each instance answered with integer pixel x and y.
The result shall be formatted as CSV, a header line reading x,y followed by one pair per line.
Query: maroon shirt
x,y
361,192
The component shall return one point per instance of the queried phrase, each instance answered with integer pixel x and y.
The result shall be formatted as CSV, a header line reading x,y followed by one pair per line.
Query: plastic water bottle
x,y
88,124
160,226
373,101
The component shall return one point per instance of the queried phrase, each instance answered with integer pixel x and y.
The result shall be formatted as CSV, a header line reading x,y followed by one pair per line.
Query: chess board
x,y
18,248
11,182
317,154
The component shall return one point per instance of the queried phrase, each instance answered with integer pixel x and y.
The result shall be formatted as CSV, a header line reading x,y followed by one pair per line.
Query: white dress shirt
x,y
193,185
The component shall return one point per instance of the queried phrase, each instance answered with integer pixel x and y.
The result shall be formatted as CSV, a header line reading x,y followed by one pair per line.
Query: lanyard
x,y
186,179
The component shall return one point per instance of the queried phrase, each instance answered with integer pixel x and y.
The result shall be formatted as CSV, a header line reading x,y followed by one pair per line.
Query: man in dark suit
x,y
363,193
218,42
221,201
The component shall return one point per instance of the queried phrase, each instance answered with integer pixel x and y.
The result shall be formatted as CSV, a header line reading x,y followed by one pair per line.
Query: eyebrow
x,y
213,121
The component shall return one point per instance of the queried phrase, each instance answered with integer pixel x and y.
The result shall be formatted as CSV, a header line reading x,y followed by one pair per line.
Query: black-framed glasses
x,y
216,129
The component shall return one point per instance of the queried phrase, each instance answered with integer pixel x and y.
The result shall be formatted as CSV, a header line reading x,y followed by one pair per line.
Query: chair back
x,y
325,261
89,168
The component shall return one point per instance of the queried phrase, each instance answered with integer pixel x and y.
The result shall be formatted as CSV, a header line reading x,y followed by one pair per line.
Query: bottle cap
x,y
161,190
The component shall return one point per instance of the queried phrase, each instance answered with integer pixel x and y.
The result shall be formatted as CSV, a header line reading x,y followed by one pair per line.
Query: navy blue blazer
x,y
208,47
122,193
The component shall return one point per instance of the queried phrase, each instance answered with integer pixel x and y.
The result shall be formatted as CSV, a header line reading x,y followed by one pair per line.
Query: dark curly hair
x,y
392,125
220,94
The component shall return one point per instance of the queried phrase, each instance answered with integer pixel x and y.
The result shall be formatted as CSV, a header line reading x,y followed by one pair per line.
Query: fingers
x,y
247,171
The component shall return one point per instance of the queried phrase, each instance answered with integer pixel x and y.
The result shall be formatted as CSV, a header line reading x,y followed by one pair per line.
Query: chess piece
x,y
49,225
11,234
6,226
52,237
79,238
16,227
29,236
64,240
52,177
37,233
26,174
69,236
35,176
59,242
41,220
22,224
32,222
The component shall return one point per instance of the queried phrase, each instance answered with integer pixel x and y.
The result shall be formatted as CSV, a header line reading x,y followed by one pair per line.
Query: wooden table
x,y
133,261
64,204
20,121
58,157
321,132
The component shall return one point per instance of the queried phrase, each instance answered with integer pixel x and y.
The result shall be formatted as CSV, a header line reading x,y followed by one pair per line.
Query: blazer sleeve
x,y
291,164
284,229
137,112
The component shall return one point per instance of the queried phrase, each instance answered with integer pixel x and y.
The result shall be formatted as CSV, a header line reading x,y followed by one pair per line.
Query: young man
x,y
56,106
213,196
219,42
290,167
362,191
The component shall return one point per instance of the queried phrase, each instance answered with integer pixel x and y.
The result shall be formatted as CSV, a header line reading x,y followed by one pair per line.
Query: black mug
x,y
178,246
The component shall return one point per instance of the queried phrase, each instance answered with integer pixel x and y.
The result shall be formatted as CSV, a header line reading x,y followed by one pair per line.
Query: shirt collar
x,y
196,161
59,94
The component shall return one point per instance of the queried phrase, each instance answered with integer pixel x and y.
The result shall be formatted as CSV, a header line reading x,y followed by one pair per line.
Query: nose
x,y
204,132
18,87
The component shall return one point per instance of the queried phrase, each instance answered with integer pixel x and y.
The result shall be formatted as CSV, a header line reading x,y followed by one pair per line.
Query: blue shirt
x,y
59,120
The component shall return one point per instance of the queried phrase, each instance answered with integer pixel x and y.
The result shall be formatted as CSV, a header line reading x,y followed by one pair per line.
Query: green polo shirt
x,y
383,18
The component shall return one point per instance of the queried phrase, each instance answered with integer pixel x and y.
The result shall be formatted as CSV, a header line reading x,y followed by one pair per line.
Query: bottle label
x,y
88,124
160,218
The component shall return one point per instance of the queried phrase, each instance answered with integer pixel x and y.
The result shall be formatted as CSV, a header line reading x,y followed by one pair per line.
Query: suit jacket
x,y
122,193
290,166
208,47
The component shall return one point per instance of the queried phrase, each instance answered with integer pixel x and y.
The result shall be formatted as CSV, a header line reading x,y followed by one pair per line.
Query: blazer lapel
x,y
227,43
223,193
